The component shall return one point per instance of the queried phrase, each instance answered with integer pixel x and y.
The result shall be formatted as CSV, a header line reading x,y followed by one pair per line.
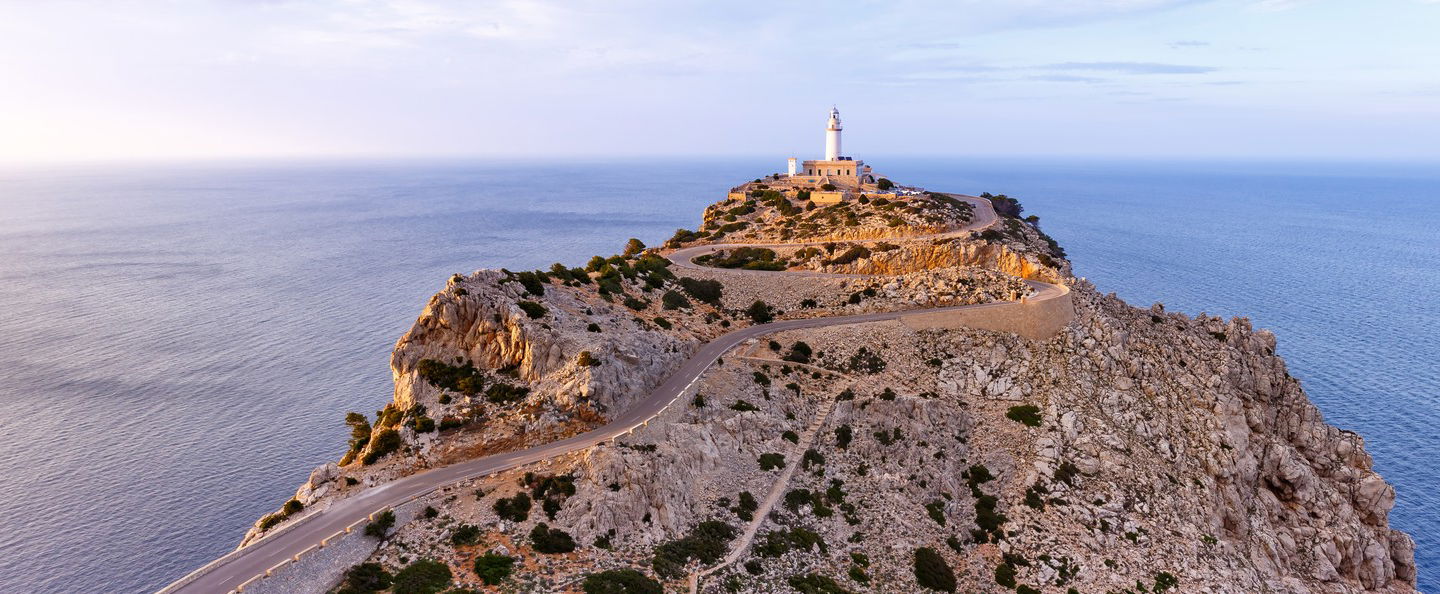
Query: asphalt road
x,y
240,566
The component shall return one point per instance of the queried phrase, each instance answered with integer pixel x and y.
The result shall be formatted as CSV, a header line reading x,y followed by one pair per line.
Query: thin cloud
x,y
1131,67
1188,44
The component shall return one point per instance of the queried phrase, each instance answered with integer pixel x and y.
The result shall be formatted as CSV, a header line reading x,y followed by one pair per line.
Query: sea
x,y
179,343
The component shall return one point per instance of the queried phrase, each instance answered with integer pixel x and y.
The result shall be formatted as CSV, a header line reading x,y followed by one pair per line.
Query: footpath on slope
x,y
316,533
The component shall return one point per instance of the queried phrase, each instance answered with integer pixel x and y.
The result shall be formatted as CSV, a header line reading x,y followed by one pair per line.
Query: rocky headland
x,y
1127,450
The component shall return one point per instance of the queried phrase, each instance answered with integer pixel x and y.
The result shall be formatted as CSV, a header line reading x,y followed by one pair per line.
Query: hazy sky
x,y
1268,78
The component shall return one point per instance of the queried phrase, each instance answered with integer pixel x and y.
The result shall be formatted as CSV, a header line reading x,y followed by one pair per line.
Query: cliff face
x,y
1135,450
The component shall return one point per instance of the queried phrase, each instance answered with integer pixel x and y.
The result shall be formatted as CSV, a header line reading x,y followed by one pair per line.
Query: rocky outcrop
x,y
1133,449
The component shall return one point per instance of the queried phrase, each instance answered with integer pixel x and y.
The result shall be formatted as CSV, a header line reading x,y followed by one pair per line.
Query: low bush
x,y
843,435
586,359
381,525
465,534
760,312
465,379
855,252
744,406
532,309
620,581
814,583
673,300
705,543
493,568
425,576
771,461
551,541
385,443
515,509
746,507
932,572
708,291
365,578
502,392
1025,414
799,353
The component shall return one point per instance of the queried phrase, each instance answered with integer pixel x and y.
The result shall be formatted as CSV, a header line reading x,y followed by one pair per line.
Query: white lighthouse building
x,y
832,136
835,168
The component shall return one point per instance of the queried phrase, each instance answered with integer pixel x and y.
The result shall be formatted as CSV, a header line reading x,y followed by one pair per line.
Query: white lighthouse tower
x,y
832,136
835,169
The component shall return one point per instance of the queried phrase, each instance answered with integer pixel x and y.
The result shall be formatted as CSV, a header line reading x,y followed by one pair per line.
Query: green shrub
x,y
799,353
771,461
814,583
932,572
673,300
747,506
1164,581
633,247
1026,414
532,309
365,578
761,378
865,361
493,568
708,291
662,322
744,406
551,540
620,581
465,379
828,187
760,313
936,511
858,574
586,359
1005,575
635,304
422,577
292,507
423,424
381,525
515,509
593,327
359,434
385,443
502,392
747,258
855,252
705,543
779,542
465,534
884,184
790,436
271,521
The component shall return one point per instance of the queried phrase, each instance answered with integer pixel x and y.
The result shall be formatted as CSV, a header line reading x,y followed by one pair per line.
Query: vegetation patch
x,y
620,581
705,543
551,540
931,570
465,378
1025,414
425,576
493,568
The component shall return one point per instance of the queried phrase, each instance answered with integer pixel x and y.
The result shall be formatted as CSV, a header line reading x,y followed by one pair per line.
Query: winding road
x,y
244,565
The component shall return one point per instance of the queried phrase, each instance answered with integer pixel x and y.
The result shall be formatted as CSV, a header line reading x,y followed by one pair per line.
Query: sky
x,y
171,79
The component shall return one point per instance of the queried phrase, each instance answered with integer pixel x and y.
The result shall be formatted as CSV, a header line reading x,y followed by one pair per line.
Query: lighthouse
x,y
835,168
832,136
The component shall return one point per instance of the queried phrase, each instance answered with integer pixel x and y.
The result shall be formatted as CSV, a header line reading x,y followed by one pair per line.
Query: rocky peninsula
x,y
923,398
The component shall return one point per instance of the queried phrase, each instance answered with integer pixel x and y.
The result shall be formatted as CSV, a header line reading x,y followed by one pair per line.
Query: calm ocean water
x,y
181,343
